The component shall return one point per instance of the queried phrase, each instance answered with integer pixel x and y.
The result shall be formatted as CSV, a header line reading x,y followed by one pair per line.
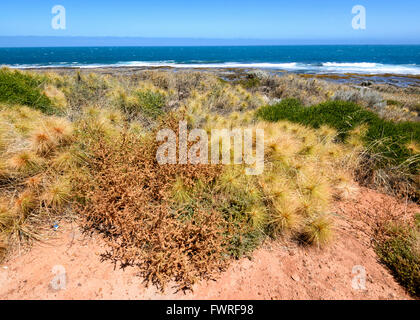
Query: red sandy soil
x,y
278,270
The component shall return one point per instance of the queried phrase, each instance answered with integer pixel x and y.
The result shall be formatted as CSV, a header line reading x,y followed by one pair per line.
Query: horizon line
x,y
137,41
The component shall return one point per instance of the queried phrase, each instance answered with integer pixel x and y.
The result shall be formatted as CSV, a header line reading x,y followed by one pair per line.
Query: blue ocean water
x,y
366,59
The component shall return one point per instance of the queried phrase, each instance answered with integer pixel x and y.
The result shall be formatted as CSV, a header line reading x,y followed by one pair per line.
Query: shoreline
x,y
229,73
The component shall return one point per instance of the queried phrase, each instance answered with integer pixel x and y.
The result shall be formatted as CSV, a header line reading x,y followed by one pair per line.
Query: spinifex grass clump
x,y
305,170
36,188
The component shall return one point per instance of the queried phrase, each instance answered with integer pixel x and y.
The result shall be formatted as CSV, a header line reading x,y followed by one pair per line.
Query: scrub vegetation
x,y
83,146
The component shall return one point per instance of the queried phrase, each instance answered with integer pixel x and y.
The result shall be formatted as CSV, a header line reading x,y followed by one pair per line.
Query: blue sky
x,y
395,21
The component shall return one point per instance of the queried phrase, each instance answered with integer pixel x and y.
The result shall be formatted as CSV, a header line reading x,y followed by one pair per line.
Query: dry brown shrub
x,y
126,198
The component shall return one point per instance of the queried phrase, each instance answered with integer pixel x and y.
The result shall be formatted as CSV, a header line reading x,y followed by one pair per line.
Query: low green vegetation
x,y
24,89
151,103
398,249
250,83
394,103
135,102
395,142
343,116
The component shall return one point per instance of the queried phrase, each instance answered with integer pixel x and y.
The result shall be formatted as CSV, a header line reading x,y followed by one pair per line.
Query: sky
x,y
325,20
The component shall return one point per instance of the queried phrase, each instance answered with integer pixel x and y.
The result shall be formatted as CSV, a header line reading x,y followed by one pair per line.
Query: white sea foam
x,y
350,65
327,67
262,65
369,68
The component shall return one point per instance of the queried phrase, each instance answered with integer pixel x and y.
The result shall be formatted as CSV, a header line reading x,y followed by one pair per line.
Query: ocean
x,y
318,59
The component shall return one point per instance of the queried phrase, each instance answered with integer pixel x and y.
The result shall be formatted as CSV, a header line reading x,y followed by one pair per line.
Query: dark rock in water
x,y
366,83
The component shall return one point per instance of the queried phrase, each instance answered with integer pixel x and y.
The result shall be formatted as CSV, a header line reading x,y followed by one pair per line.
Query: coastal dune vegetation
x,y
83,146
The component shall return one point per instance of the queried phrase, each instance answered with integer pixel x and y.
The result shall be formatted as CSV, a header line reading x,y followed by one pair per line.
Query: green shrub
x,y
250,83
395,136
346,116
287,109
151,103
85,90
232,202
343,116
398,250
394,103
244,237
24,89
